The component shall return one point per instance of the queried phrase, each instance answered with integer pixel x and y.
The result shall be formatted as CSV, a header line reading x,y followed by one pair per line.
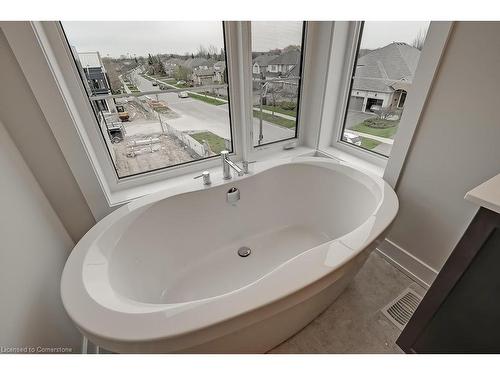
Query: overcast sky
x,y
115,38
377,34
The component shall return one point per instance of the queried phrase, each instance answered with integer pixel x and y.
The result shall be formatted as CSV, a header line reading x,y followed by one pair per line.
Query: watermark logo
x,y
35,349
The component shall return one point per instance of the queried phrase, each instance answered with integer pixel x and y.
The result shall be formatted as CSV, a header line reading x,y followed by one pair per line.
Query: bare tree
x,y
385,112
212,50
181,73
418,41
202,51
291,47
273,90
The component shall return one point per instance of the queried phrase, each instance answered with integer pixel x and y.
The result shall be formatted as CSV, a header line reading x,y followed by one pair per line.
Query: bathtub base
x,y
258,331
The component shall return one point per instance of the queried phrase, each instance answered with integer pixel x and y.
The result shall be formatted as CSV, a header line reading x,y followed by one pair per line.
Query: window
x,y
277,54
387,57
401,99
159,100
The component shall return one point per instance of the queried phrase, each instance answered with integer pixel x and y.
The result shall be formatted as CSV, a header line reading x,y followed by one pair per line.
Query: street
x,y
197,115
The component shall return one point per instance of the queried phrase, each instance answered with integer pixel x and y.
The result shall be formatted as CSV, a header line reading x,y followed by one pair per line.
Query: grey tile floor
x,y
354,322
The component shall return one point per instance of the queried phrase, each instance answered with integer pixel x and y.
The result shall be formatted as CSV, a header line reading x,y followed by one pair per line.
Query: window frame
x,y
327,58
40,46
345,41
281,142
122,180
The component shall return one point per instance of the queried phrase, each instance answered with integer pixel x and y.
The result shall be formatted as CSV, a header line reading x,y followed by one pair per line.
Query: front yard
x,y
132,87
215,142
379,127
274,119
206,99
278,109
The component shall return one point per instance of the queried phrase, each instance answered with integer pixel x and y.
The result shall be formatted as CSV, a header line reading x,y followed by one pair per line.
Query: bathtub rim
x,y
117,324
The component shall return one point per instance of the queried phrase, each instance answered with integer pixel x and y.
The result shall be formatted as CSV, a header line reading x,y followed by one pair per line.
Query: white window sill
x,y
354,161
124,196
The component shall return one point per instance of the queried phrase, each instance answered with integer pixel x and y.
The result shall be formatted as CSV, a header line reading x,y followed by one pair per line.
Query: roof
x,y
263,60
196,62
220,65
204,72
173,61
287,58
90,59
295,72
381,69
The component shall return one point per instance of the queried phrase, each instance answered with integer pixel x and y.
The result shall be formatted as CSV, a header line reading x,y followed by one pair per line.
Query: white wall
x,y
25,122
456,146
33,249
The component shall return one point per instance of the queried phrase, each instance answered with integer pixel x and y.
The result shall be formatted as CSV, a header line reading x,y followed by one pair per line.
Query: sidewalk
x,y
388,141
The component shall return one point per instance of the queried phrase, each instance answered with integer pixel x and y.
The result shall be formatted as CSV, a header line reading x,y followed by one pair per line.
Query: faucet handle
x,y
245,163
206,177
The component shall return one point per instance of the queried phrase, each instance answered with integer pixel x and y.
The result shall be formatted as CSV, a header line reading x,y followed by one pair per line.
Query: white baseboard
x,y
414,268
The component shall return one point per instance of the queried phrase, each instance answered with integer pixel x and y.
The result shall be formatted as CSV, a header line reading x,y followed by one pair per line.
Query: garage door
x,y
355,103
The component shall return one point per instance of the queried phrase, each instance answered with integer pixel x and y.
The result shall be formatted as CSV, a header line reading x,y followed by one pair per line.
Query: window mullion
x,y
239,60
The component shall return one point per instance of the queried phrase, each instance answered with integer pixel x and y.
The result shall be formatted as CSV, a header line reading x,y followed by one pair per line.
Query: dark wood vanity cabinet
x,y
460,313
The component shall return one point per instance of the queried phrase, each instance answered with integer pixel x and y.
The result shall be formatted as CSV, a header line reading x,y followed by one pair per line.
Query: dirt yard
x,y
144,124
170,151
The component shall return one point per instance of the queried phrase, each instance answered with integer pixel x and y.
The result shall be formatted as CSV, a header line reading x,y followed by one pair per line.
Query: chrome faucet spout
x,y
227,164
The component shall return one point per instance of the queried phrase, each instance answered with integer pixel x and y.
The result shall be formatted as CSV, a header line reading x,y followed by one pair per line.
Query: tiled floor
x,y
354,323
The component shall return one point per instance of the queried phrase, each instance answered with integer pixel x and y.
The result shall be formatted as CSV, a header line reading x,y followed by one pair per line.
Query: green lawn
x,y
368,143
161,78
181,86
206,99
278,109
132,88
390,129
274,119
216,143
170,81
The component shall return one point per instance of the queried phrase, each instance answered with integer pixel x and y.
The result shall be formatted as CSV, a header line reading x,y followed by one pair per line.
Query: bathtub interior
x,y
184,248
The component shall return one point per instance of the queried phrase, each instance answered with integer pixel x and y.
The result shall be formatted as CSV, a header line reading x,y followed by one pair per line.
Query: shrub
x,y
288,105
379,123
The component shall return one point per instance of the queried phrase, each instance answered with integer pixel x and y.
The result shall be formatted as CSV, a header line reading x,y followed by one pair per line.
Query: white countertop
x,y
487,194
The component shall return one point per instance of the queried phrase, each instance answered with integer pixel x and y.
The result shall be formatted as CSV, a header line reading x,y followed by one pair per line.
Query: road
x,y
197,115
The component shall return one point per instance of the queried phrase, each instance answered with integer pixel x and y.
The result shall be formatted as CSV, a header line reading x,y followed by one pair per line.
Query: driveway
x,y
355,117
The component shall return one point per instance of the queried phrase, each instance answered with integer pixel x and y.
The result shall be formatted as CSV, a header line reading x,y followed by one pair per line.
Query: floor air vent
x,y
402,308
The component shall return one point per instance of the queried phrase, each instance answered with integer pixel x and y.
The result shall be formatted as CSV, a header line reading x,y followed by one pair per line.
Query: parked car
x,y
155,83
183,94
181,82
351,138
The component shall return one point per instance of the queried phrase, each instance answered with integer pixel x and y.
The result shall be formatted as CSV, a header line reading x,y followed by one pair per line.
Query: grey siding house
x,y
383,76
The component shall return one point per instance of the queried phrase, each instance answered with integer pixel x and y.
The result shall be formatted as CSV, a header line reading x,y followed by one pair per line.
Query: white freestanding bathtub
x,y
162,273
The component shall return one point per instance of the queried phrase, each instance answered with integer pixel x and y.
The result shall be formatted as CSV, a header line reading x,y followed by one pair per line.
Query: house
x,y
284,63
383,77
171,64
198,62
97,81
274,67
219,72
202,77
260,65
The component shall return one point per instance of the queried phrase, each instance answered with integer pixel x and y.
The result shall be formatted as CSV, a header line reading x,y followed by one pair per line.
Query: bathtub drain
x,y
244,251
